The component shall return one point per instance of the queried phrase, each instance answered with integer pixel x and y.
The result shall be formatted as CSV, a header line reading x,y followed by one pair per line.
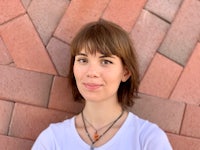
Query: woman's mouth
x,y
92,86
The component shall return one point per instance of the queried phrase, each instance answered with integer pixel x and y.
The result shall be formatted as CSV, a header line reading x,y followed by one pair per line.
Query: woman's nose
x,y
93,71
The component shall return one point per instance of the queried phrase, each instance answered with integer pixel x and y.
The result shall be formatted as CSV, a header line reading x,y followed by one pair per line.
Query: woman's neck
x,y
99,114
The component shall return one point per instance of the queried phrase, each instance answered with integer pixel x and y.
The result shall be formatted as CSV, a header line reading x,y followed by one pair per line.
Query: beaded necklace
x,y
96,136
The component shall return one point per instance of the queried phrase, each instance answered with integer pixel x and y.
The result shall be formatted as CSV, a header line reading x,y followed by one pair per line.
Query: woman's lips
x,y
92,86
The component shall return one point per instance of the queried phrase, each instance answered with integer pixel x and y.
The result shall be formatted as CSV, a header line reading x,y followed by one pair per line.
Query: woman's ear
x,y
126,74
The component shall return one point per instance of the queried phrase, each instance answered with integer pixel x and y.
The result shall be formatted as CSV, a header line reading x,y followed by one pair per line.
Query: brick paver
x,y
145,42
35,38
60,55
161,77
164,9
25,46
188,86
61,97
79,13
26,86
184,33
11,143
167,114
46,15
6,109
124,13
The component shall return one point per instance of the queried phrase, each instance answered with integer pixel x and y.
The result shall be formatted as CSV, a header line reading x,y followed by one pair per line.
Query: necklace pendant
x,y
91,147
96,136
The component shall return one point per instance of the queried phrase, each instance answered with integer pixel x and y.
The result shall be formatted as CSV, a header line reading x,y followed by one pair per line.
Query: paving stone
x,y
27,50
184,143
187,88
26,3
161,77
145,42
184,33
79,13
24,86
166,113
60,55
13,143
191,121
61,96
6,113
164,9
10,9
5,57
46,15
124,13
28,125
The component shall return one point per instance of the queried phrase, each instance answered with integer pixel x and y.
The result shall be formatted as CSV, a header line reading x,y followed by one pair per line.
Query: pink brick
x,y
12,143
24,86
161,77
6,113
46,15
164,9
145,42
4,54
188,86
166,113
27,49
184,32
124,13
61,97
10,9
60,55
191,122
79,13
28,121
183,142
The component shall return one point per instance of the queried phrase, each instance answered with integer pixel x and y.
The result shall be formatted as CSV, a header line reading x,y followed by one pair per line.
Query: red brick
x,y
27,49
60,55
124,13
145,42
188,86
4,54
29,121
184,32
164,9
6,113
184,143
61,96
46,15
79,13
10,9
12,143
24,86
161,77
191,122
166,113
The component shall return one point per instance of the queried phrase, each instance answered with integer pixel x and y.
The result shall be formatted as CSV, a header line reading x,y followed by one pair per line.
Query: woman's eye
x,y
105,62
82,60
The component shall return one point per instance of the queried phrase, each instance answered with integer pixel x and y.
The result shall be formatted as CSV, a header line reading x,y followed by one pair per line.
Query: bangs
x,y
96,39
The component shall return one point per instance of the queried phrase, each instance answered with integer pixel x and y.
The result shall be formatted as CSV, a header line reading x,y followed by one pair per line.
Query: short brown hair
x,y
109,39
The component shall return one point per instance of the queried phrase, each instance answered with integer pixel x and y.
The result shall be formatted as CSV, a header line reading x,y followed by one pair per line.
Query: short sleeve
x,y
153,138
45,141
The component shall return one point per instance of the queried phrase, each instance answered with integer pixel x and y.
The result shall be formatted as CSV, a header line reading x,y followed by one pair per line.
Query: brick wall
x,y
35,38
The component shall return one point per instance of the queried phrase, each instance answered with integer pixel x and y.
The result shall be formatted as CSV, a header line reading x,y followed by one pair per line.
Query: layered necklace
x,y
96,136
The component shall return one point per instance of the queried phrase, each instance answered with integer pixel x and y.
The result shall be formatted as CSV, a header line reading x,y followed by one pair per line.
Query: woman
x,y
104,76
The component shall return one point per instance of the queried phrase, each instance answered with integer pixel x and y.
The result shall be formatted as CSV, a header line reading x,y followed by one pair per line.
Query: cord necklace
x,y
96,136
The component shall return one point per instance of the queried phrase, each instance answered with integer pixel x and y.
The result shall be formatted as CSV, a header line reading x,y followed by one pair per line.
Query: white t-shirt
x,y
134,134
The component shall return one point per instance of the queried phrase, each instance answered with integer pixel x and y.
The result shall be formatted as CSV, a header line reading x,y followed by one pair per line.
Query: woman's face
x,y
98,77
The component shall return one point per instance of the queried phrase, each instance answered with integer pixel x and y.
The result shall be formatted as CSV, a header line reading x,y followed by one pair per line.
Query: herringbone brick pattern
x,y
35,38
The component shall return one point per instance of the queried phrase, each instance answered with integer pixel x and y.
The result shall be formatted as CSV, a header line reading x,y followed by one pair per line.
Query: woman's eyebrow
x,y
82,54
103,56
